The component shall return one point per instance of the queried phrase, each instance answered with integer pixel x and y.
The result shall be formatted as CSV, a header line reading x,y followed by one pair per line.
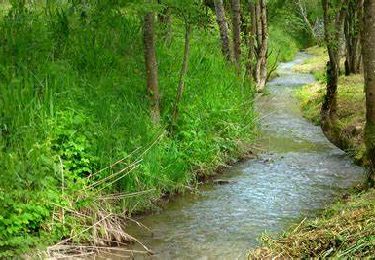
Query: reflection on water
x,y
299,173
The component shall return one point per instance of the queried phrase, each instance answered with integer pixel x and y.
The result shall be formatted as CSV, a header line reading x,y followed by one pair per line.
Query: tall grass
x,y
73,101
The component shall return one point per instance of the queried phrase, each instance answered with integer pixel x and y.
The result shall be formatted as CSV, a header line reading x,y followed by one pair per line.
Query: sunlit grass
x,y
344,230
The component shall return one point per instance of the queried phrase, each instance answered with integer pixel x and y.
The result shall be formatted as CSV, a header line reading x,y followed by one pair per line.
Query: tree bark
x,y
352,37
236,30
250,68
151,66
303,12
181,82
223,27
333,25
261,29
368,51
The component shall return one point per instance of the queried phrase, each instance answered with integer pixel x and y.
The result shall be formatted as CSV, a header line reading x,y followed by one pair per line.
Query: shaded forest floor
x,y
347,228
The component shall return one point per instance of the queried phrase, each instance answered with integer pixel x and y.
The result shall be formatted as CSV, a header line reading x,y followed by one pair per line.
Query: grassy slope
x,y
350,100
73,101
345,229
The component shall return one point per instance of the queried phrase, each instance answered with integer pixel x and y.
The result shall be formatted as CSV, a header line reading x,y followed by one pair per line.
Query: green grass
x,y
350,100
345,229
74,118
281,45
73,101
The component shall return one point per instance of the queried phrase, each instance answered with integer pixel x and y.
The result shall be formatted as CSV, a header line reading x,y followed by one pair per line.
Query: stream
x,y
298,173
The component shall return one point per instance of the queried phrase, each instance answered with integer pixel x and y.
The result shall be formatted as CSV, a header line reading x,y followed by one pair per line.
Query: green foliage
x,y
282,45
73,101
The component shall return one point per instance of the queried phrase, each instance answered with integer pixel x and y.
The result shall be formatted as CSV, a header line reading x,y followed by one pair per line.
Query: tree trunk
x,y
251,41
151,66
236,30
303,12
181,82
368,51
223,27
352,37
333,24
262,44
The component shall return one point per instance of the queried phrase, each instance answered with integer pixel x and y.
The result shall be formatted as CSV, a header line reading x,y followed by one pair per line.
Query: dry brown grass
x,y
347,229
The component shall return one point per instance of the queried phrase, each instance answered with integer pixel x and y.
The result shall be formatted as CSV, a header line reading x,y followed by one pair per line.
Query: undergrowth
x,y
73,101
77,146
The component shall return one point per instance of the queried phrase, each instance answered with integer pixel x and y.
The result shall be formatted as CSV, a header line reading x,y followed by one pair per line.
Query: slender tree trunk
x,y
352,37
184,67
302,9
223,27
262,44
333,25
236,30
151,66
251,41
264,47
368,51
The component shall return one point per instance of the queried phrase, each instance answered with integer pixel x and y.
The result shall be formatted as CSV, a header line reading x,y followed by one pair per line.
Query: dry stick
x,y
62,188
139,224
134,165
113,175
120,249
123,195
83,231
70,210
299,225
114,164
122,176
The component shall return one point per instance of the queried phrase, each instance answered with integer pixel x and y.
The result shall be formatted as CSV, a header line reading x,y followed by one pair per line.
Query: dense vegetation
x,y
77,144
106,107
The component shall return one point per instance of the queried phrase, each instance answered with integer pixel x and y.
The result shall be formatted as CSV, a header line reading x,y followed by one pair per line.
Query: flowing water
x,y
299,173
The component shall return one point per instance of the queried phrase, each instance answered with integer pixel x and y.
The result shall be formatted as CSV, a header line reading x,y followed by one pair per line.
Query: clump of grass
x,y
314,64
346,229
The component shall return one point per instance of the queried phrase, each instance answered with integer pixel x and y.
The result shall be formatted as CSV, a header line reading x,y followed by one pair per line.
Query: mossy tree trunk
x,y
223,27
334,16
368,51
151,66
352,37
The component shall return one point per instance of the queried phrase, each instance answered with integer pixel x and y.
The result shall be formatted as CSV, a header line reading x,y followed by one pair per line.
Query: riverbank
x,y
350,103
79,152
347,228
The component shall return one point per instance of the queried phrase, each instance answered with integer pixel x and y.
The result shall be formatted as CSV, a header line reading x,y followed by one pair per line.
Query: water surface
x,y
299,172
